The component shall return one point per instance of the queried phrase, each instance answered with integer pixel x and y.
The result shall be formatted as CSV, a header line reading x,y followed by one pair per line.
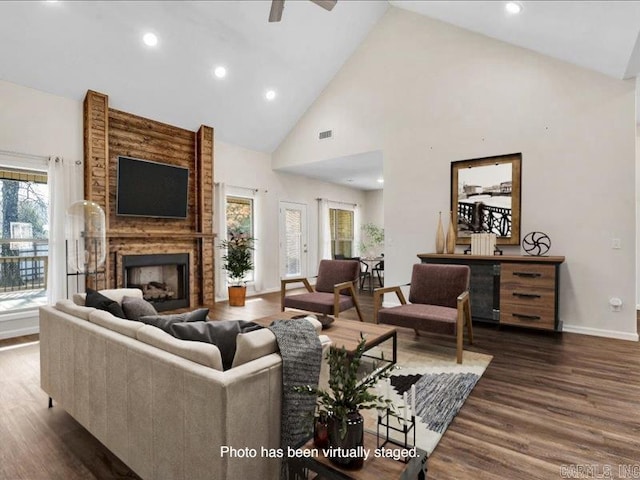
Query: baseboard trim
x,y
597,332
19,332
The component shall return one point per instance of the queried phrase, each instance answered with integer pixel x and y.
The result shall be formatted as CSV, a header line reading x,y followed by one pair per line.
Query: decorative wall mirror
x,y
485,198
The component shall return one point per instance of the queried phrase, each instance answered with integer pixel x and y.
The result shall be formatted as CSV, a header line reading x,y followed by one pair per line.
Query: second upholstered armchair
x,y
335,289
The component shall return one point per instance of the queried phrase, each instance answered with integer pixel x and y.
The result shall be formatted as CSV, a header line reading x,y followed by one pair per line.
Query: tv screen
x,y
151,189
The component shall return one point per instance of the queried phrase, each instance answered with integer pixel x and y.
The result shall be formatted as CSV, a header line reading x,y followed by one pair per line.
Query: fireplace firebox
x,y
163,278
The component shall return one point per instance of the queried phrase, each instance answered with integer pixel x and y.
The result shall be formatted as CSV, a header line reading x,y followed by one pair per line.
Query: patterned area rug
x,y
442,386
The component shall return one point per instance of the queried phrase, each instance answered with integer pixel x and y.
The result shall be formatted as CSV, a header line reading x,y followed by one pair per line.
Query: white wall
x,y
428,93
240,167
36,123
373,211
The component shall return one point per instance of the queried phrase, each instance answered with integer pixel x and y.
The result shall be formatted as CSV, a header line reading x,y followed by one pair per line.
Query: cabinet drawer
x,y
514,275
536,297
526,315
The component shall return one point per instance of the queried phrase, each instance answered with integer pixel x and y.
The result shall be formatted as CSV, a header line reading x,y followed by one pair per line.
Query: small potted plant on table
x,y
341,404
237,262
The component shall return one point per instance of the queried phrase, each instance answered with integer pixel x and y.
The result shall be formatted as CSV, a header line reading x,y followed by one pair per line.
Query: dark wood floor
x,y
546,404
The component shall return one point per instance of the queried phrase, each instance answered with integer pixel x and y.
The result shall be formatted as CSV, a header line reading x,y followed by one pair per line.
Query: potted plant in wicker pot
x,y
237,262
341,404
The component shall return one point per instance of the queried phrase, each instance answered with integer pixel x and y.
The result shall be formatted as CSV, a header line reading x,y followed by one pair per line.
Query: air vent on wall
x,y
326,134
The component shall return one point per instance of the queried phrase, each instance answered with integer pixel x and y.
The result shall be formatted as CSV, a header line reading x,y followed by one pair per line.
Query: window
x,y
24,200
341,232
240,220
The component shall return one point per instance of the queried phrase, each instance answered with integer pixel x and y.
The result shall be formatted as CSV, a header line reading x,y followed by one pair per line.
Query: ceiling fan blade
x,y
277,6
326,4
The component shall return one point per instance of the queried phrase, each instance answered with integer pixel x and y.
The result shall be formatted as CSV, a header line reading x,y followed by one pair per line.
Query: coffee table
x,y
347,333
373,468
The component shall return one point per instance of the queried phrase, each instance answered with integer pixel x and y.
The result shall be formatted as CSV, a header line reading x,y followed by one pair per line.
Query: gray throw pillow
x,y
199,315
222,334
164,322
134,308
97,300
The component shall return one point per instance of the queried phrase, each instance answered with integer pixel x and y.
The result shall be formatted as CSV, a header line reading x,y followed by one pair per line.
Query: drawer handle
x,y
526,295
526,317
527,274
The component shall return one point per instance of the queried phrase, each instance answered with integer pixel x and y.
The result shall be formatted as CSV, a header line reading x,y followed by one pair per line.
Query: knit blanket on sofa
x,y
301,353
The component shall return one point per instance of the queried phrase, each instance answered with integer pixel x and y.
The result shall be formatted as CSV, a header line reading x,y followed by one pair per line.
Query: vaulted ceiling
x,y
67,47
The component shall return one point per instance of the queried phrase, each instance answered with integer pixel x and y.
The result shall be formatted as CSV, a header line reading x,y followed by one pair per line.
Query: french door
x,y
293,240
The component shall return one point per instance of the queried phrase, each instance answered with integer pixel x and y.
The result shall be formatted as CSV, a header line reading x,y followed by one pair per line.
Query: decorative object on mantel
x,y
238,262
483,244
86,242
536,243
439,235
451,236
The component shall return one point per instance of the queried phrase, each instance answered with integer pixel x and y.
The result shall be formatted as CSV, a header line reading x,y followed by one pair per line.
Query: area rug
x,y
441,385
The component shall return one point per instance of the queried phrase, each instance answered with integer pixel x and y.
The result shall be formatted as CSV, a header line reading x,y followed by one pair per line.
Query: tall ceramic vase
x,y
451,236
439,235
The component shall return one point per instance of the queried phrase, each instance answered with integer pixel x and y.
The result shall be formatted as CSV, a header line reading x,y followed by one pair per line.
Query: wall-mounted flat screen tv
x,y
151,189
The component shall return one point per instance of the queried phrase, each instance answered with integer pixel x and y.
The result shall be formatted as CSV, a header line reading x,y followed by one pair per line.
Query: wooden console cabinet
x,y
511,289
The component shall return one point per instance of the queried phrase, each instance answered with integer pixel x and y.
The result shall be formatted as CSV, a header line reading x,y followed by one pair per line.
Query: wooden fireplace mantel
x,y
110,133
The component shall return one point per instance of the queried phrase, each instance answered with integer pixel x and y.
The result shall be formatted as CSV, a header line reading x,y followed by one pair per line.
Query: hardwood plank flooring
x,y
546,402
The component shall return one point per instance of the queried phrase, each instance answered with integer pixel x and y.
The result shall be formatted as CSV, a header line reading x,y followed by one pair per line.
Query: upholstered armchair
x,y
439,302
334,293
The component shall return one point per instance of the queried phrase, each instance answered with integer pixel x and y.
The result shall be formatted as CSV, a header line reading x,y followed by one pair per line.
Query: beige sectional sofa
x,y
163,405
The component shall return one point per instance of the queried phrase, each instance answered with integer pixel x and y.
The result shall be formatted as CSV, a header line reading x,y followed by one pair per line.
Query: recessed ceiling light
x,y
150,39
220,72
270,94
381,180
513,7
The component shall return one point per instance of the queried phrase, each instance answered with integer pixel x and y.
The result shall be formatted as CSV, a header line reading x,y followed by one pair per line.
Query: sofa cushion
x,y
258,343
134,308
203,353
123,326
116,294
67,306
97,300
252,345
221,333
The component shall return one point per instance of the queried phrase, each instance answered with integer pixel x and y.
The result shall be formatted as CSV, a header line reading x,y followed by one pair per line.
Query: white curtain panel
x,y
357,234
64,189
324,230
220,226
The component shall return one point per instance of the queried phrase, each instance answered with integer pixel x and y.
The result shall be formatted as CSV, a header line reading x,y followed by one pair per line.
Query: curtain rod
x,y
254,190
335,201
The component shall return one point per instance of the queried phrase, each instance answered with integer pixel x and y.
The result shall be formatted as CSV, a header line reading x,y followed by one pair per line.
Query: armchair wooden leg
x,y
469,325
459,344
355,302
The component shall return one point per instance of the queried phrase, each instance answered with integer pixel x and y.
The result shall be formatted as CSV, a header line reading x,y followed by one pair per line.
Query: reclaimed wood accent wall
x,y
110,133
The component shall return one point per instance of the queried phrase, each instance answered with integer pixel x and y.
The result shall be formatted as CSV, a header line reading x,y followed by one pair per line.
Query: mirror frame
x,y
515,159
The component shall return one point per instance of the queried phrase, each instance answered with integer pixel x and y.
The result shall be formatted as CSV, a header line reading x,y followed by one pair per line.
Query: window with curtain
x,y
24,200
342,232
240,220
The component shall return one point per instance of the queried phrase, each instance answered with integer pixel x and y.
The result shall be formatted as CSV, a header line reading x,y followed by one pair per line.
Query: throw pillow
x,y
134,308
163,322
199,315
97,300
222,334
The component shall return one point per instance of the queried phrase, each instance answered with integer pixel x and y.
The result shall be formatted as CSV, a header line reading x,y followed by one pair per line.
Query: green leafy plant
x,y
346,393
237,259
372,238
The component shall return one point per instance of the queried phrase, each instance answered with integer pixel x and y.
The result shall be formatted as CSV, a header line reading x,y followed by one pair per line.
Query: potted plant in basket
x,y
237,262
341,404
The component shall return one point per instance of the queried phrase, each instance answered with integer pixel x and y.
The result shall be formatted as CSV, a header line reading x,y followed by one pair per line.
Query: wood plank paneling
x,y
111,133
